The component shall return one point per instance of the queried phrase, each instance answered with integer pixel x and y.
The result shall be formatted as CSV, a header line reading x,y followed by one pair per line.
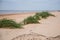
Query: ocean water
x,y
10,11
15,11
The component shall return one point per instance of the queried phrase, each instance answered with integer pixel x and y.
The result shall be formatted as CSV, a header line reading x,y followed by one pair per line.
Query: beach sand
x,y
49,27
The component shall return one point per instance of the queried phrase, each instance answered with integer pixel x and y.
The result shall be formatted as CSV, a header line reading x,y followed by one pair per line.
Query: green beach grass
x,y
6,23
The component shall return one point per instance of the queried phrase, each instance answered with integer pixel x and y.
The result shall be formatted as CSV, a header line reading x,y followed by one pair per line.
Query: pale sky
x,y
29,4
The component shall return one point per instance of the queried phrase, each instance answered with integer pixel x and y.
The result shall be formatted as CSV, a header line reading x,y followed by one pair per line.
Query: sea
x,y
18,11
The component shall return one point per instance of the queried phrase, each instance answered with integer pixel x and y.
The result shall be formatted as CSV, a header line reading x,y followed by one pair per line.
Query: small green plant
x,y
30,19
36,16
45,15
6,23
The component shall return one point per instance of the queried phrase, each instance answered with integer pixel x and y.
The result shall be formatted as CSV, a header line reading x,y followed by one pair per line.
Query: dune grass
x,y
45,14
6,23
30,20
35,18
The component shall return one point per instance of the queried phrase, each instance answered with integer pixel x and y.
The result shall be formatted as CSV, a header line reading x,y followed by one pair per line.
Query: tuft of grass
x,y
45,14
30,20
37,16
6,23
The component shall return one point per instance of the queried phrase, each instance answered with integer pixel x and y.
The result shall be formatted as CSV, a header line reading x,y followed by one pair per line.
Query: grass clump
x,y
37,16
45,15
30,20
6,23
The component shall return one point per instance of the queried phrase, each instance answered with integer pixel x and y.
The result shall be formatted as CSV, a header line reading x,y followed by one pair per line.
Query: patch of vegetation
x,y
45,15
30,20
6,23
37,16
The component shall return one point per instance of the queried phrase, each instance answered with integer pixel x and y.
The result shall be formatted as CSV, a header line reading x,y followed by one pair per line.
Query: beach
x,y
49,27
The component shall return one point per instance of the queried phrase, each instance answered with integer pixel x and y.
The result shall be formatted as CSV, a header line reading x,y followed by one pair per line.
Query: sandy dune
x,y
49,27
18,17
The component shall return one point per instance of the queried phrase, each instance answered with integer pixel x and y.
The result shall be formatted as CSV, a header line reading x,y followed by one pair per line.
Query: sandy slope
x,y
18,17
48,27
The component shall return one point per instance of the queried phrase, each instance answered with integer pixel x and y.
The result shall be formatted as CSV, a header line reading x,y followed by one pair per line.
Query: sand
x,y
18,17
49,27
